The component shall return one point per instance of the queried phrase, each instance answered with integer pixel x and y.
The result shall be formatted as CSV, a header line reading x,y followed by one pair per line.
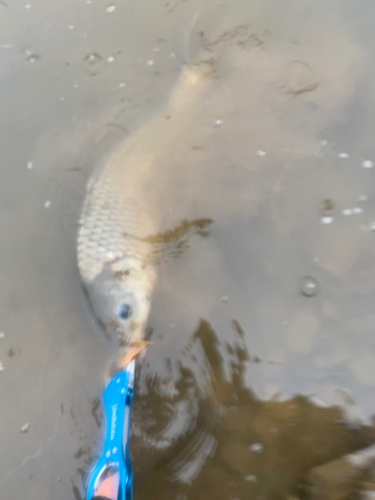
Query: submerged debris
x,y
327,207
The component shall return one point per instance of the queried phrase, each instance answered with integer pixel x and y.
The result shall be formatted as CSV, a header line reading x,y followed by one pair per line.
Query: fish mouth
x,y
134,350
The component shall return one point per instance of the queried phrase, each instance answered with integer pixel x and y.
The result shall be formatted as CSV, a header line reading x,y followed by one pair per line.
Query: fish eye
x,y
124,311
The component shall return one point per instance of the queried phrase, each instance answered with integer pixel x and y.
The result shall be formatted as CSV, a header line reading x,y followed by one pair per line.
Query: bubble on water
x,y
2,335
111,8
224,299
29,165
70,27
1,367
172,55
62,98
367,164
156,49
88,2
218,122
323,143
372,226
150,62
256,447
76,85
121,85
110,59
94,63
33,58
309,286
260,152
363,197
351,211
7,46
27,6
47,204
326,220
25,428
343,155
93,58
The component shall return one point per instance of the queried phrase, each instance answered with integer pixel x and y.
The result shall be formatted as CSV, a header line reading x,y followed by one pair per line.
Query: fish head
x,y
120,297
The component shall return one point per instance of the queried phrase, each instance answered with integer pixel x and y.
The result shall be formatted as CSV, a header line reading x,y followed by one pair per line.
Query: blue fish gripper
x,y
117,399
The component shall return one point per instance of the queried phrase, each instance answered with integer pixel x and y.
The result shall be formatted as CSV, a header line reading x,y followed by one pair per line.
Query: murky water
x,y
263,361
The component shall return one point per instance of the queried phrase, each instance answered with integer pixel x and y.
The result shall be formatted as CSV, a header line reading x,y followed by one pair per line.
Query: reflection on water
x,y
194,436
198,435
229,443
265,198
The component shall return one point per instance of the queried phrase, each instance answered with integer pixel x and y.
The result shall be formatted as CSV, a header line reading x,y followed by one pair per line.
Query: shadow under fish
x,y
173,242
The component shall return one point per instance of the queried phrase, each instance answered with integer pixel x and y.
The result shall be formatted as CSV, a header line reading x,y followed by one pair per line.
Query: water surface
x,y
249,382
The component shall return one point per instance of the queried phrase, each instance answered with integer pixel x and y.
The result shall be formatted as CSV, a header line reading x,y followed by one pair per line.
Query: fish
x,y
119,218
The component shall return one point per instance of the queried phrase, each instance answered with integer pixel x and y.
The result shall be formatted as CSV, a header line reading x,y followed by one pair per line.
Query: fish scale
x,y
108,226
